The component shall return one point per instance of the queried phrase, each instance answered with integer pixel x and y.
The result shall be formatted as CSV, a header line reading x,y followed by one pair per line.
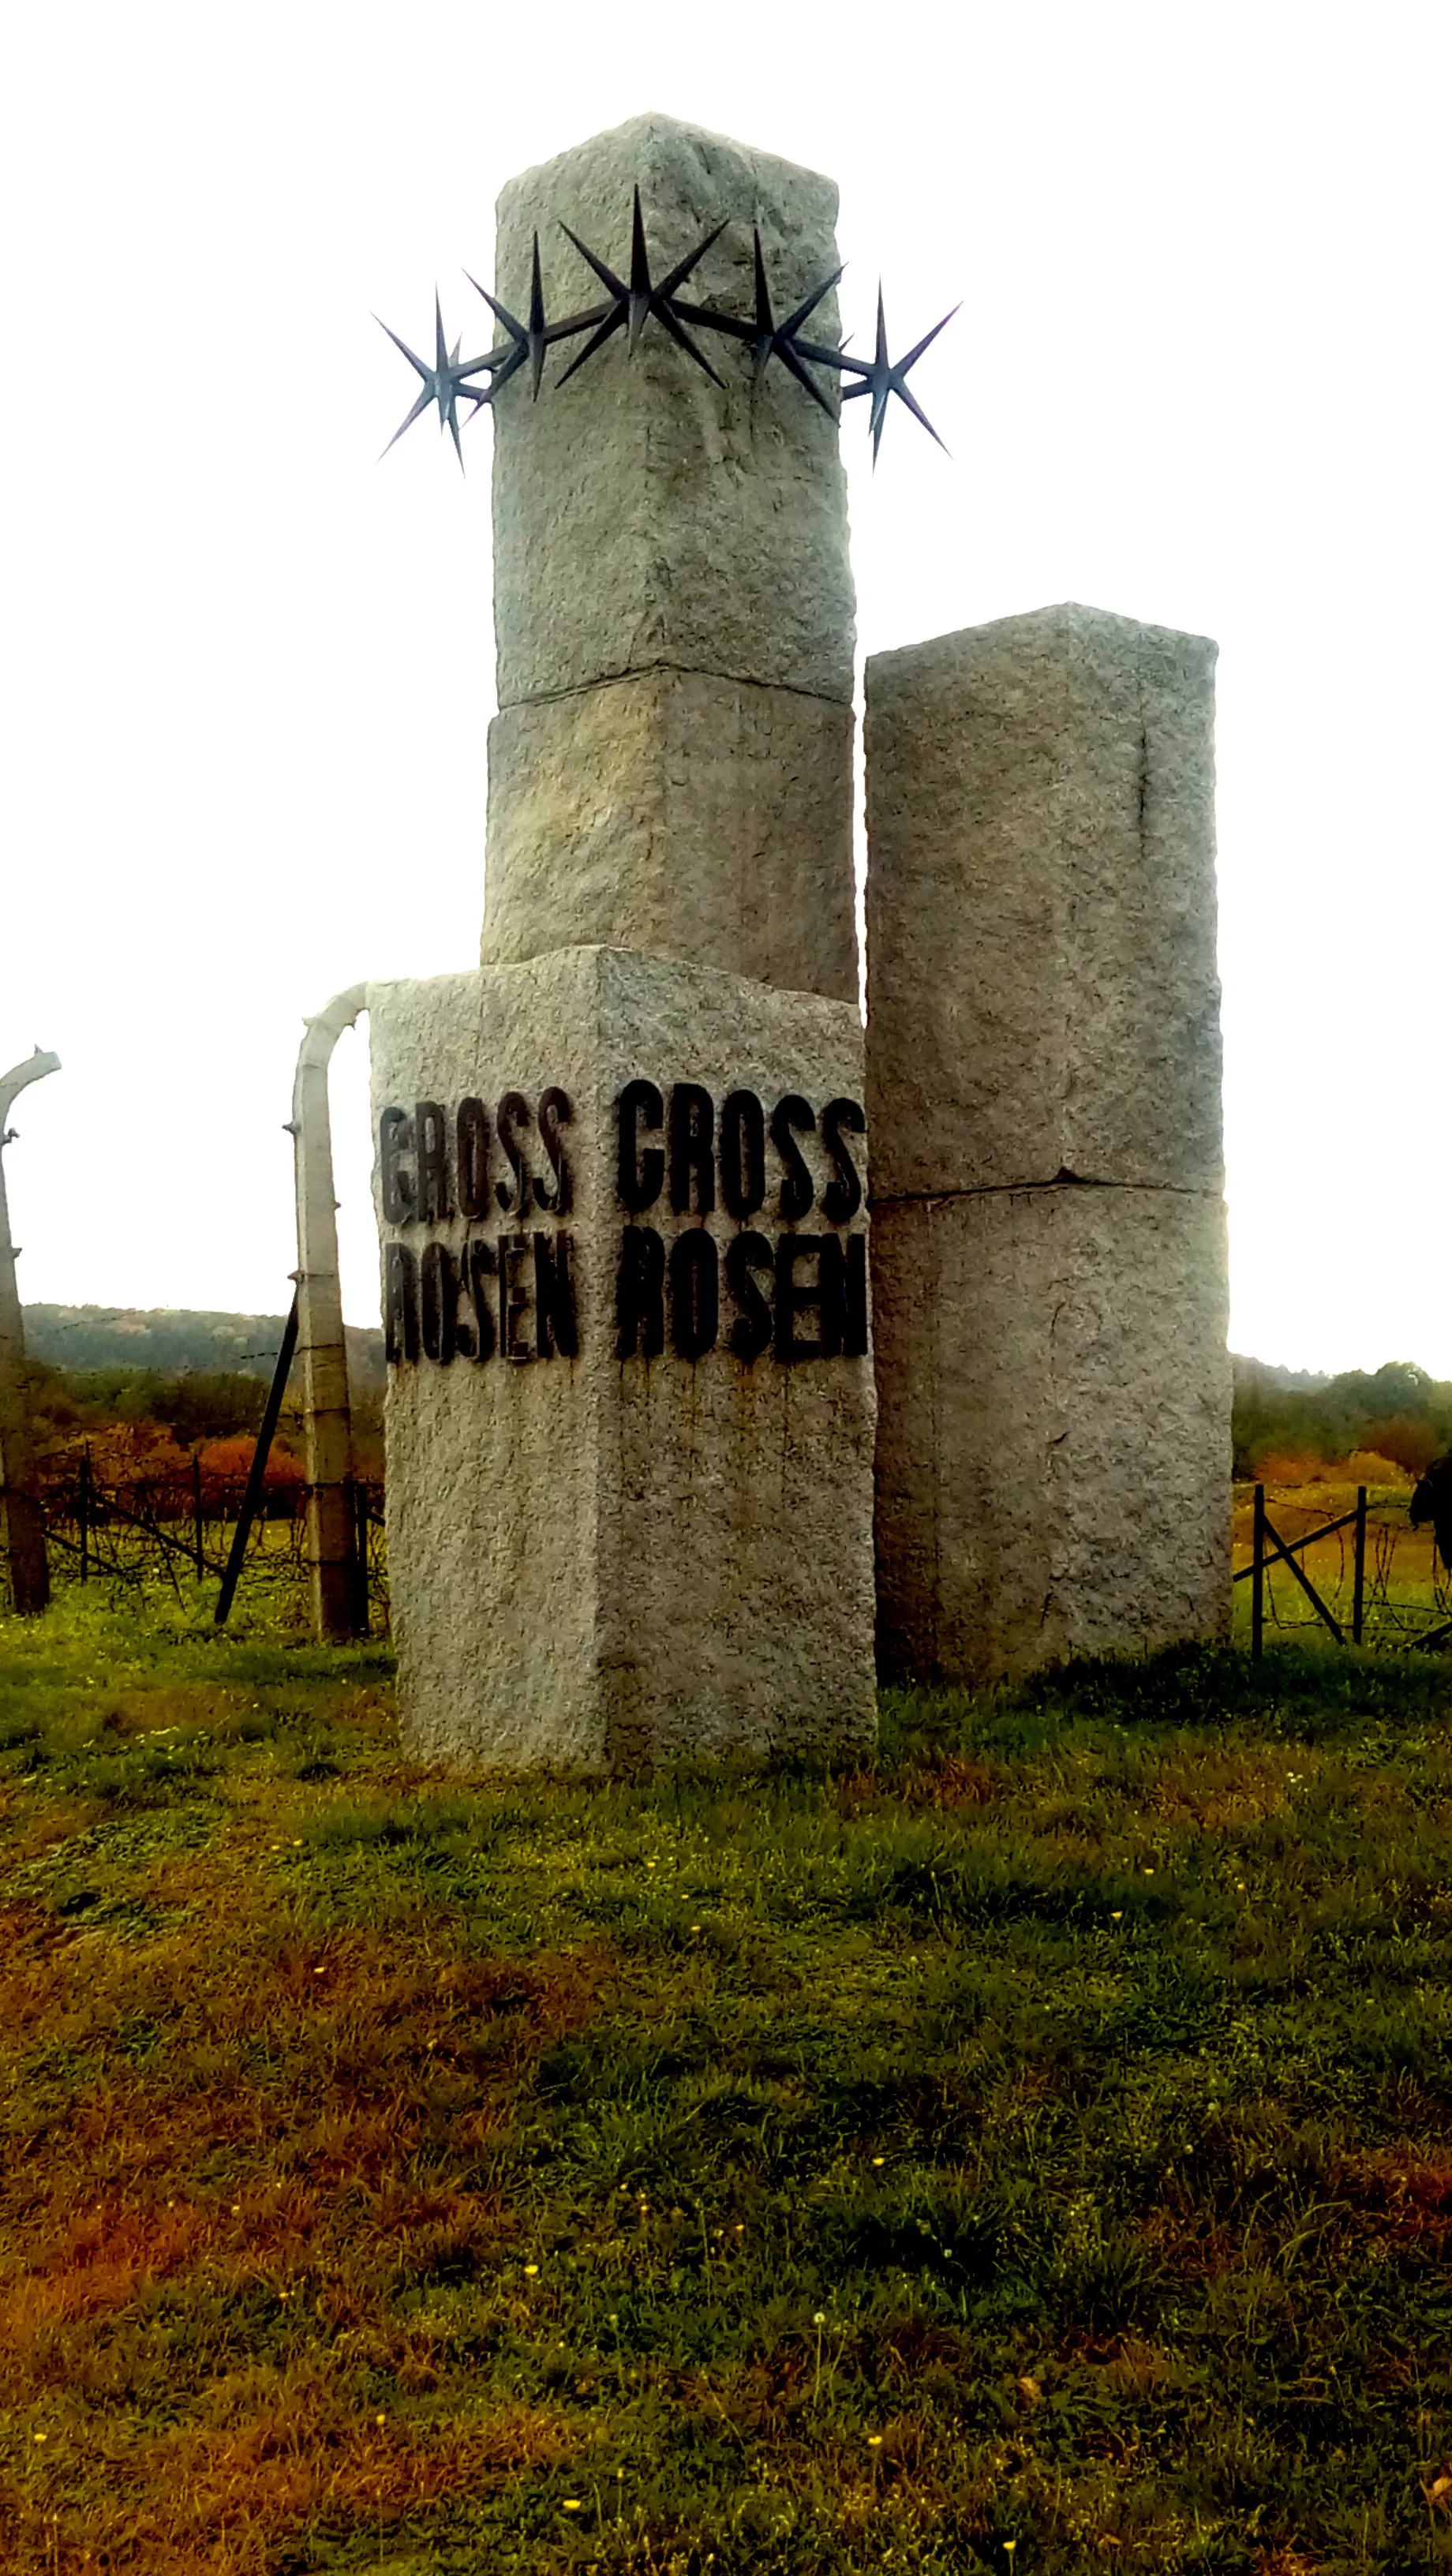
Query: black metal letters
x,y
693,1166
400,1303
844,1296
513,1294
395,1137
513,1298
640,1294
749,1257
514,1113
695,1293
471,1131
434,1204
556,1110
440,1302
790,1118
639,1172
776,1287
483,1270
554,1297
743,1153
842,1196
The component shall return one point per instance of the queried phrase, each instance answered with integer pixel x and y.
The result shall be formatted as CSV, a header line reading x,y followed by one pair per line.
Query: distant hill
x,y
1257,1377
169,1339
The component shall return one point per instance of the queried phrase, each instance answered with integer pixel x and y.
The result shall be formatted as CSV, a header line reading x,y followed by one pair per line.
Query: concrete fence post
x,y
22,1523
339,1600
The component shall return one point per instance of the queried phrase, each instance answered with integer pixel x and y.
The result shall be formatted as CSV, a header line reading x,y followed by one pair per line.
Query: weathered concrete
x,y
1042,986
671,768
338,1578
681,813
1043,1012
22,1520
605,1561
1053,1466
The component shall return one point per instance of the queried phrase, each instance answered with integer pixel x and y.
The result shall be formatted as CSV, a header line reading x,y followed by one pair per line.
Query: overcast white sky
x,y
1199,377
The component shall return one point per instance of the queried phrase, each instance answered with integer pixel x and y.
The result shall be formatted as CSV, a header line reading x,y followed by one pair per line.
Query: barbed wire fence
x,y
1390,1588
179,1530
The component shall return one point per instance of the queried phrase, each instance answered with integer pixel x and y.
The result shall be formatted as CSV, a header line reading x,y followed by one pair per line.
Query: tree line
x,y
1399,1412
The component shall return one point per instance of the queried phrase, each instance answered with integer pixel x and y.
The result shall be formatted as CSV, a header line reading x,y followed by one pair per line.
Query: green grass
x,y
1032,2154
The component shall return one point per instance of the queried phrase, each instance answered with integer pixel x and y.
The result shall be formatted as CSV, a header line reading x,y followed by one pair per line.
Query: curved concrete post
x,y
339,1579
22,1525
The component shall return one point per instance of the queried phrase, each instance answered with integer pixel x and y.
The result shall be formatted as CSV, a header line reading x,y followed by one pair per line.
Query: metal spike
x,y
407,351
639,263
926,342
683,267
422,404
538,344
804,312
794,367
612,322
606,275
683,339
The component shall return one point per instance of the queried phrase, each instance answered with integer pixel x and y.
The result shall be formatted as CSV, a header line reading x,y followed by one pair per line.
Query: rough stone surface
x,y
676,812
1042,985
600,1562
643,518
1053,1471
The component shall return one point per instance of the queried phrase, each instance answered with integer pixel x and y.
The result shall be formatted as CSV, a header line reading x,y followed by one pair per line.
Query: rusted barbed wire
x,y
178,1529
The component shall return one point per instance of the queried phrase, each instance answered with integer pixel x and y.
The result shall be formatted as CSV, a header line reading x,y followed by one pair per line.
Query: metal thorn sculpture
x,y
641,301
443,382
764,335
883,379
634,302
532,340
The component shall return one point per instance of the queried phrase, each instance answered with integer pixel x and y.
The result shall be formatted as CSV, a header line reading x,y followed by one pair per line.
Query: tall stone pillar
x,y
621,1169
1043,1085
671,765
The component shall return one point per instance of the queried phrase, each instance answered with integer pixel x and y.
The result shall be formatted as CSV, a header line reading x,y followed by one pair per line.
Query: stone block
x,y
676,812
623,1530
645,518
1042,987
1053,1470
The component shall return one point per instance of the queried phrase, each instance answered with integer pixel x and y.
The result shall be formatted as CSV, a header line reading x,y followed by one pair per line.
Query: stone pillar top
x,y
1042,979
644,517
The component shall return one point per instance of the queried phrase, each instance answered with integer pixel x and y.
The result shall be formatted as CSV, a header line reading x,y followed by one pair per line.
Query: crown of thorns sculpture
x,y
630,305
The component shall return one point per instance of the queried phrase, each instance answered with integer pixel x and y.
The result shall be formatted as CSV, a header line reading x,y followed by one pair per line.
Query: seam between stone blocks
x,y
683,670
1018,1189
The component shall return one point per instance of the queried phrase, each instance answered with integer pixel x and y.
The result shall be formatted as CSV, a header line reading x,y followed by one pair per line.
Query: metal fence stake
x,y
1257,1580
258,1469
1358,1597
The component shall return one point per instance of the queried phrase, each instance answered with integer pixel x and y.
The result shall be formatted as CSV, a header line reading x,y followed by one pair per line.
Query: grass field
x,y
1032,2154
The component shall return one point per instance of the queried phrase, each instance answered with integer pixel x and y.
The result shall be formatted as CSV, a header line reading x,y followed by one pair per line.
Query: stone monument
x,y
621,1170
1043,1090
